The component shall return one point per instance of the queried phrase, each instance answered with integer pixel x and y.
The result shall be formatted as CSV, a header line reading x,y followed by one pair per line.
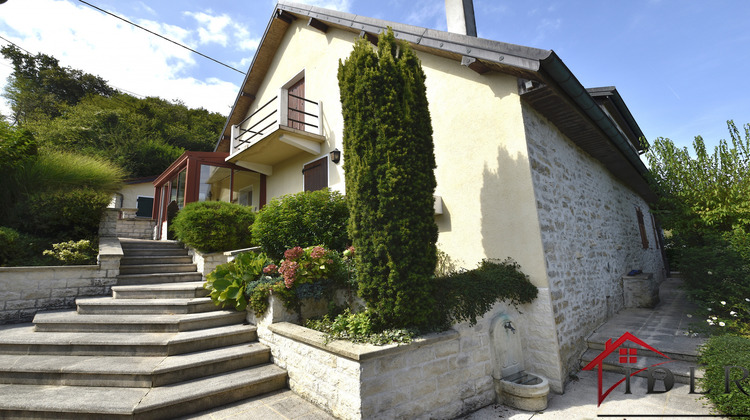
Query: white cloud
x,y
127,57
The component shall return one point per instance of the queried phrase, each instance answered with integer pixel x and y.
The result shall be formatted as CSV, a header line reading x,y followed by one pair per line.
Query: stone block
x,y
35,294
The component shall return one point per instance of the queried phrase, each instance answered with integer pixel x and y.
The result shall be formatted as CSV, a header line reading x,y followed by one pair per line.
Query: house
x,y
530,164
136,193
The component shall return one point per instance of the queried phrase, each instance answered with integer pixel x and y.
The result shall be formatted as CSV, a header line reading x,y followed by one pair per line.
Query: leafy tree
x,y
67,109
144,136
39,87
389,164
708,192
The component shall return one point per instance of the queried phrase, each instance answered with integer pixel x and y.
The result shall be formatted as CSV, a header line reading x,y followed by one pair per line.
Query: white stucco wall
x,y
589,231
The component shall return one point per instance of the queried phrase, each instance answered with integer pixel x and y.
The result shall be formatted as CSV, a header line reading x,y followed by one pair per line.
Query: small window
x,y
642,227
145,206
316,174
245,196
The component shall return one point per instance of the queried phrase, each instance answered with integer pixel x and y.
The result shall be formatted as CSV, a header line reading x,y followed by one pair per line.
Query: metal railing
x,y
275,113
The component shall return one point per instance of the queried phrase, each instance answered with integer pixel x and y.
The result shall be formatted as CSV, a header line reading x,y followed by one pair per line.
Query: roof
x,y
549,86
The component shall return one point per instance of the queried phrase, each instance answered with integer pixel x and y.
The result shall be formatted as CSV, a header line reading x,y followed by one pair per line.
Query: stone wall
x,y
24,291
122,223
590,234
437,376
207,262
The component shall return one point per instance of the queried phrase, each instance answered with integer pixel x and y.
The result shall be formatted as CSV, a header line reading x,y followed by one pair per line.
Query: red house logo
x,y
627,356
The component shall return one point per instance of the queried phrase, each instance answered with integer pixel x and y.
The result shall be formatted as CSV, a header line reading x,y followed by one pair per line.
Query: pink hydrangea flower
x,y
293,253
270,269
318,252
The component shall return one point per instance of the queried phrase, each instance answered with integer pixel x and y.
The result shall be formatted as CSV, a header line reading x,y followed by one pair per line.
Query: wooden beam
x,y
474,64
285,16
317,24
370,37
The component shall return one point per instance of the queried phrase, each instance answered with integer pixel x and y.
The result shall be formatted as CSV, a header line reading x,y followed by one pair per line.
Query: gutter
x,y
559,72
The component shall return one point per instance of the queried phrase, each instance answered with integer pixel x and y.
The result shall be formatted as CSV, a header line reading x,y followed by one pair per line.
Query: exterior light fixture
x,y
335,155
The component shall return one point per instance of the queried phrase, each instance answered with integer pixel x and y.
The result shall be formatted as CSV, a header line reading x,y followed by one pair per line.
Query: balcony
x,y
282,128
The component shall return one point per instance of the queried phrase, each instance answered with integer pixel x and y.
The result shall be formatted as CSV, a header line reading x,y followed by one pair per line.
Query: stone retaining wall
x,y
122,223
438,376
24,291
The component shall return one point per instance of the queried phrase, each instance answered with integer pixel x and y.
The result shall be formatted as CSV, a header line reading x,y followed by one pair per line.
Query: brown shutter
x,y
316,174
642,227
296,116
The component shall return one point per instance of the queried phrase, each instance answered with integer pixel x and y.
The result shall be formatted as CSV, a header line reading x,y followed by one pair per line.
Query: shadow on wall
x,y
508,210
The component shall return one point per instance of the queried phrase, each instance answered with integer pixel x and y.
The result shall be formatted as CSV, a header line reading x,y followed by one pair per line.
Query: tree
x,y
389,165
68,109
705,193
40,88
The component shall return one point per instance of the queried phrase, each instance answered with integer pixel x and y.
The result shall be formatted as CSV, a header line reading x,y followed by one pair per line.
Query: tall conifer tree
x,y
389,163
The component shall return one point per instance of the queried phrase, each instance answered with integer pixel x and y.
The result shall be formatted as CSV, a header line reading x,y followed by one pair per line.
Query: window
x,y
245,196
316,174
642,227
145,206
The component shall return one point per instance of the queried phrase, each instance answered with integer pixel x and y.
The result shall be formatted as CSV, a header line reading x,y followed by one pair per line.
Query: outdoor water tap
x,y
509,326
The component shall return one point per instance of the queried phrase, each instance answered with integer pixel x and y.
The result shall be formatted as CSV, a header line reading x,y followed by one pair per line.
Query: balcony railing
x,y
285,110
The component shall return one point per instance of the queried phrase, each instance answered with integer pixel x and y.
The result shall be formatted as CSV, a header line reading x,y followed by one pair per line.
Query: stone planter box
x,y
207,263
640,291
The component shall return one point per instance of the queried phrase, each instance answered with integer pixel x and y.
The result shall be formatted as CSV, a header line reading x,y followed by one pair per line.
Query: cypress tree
x,y
389,165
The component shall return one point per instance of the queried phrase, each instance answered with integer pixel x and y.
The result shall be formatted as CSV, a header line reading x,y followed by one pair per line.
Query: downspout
x,y
560,73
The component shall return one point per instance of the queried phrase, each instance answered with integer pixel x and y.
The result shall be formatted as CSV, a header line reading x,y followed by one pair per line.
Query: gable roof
x,y
545,83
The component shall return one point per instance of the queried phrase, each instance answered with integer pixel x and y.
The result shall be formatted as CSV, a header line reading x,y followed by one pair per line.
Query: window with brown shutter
x,y
316,174
642,227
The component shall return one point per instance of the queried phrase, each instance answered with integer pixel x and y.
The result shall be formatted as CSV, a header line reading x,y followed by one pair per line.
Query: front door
x,y
296,116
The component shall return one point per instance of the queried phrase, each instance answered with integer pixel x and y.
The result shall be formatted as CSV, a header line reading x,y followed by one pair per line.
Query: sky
x,y
680,65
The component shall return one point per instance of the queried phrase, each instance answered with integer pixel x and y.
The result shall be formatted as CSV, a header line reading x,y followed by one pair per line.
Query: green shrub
x,y
21,249
8,242
213,226
716,354
65,214
228,283
74,252
303,219
358,328
390,180
465,296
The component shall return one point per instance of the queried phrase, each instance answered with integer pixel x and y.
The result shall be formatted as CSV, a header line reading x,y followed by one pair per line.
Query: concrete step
x,y
128,371
71,321
22,339
155,259
157,268
129,243
679,368
673,350
111,306
150,252
73,402
133,279
184,290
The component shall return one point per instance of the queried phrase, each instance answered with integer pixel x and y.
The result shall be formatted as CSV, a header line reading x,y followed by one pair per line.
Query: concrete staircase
x,y
158,348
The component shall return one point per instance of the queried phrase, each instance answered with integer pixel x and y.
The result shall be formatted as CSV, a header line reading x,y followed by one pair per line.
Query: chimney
x,y
460,16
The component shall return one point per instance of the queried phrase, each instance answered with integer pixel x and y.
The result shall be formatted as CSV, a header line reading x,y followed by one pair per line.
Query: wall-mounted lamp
x,y
335,155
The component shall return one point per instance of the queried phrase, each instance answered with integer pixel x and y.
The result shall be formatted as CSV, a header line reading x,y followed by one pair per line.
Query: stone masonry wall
x,y
122,223
24,291
590,234
440,376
